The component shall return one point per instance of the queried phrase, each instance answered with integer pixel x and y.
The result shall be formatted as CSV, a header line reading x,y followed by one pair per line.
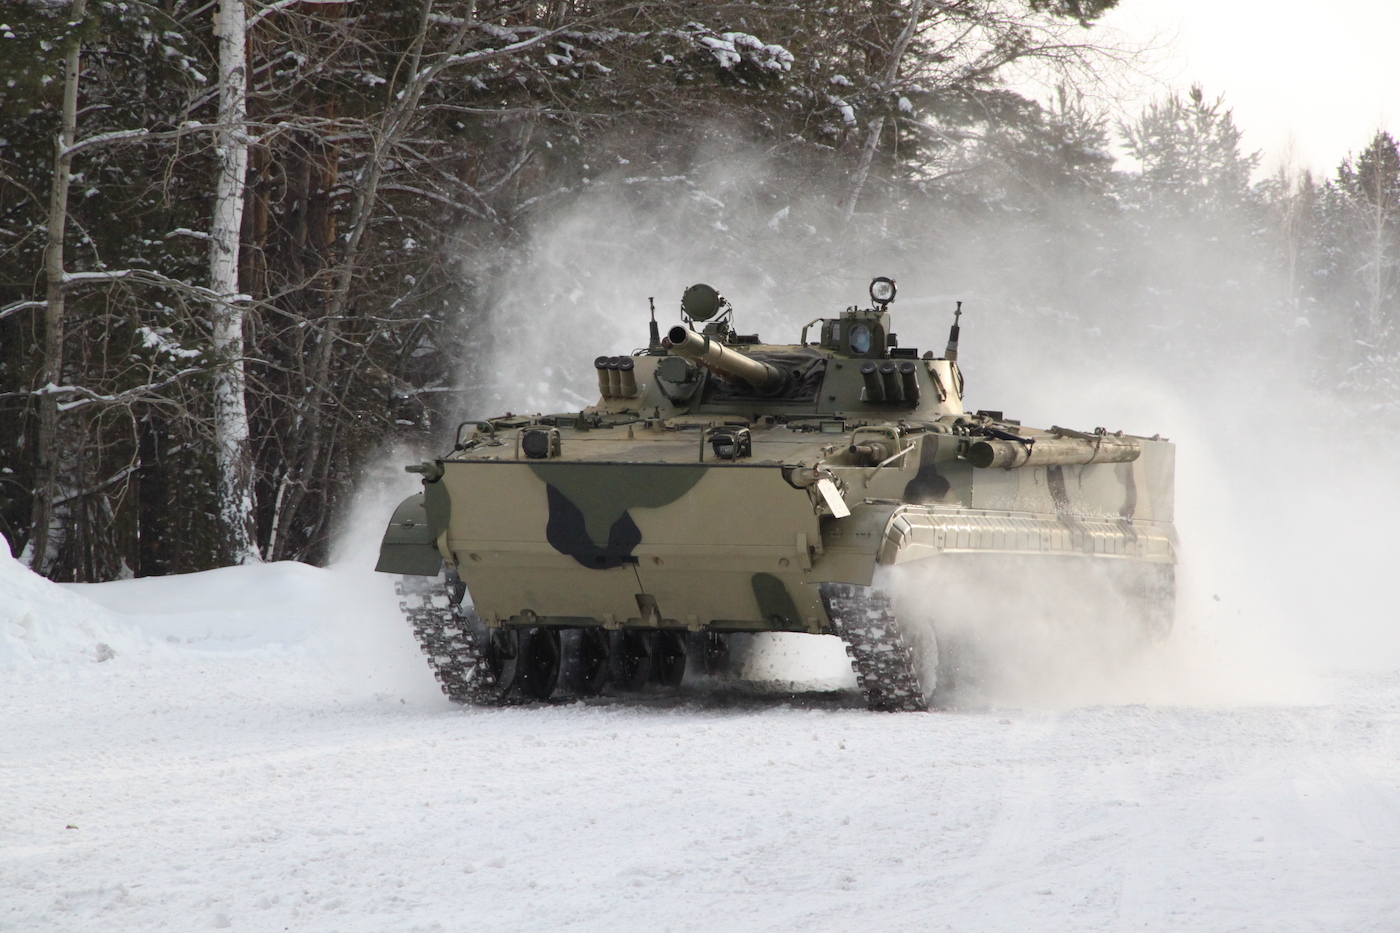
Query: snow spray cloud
x,y
364,633
1282,546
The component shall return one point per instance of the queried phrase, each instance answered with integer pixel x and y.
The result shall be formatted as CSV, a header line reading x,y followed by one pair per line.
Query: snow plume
x,y
364,633
1055,633
1284,532
579,287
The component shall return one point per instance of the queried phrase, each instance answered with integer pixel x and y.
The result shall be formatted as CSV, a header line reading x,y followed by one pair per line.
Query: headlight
x,y
701,302
882,290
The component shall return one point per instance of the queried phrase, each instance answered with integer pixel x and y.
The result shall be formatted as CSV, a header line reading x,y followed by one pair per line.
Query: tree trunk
x,y
867,156
153,501
397,119
1380,258
872,142
51,372
232,445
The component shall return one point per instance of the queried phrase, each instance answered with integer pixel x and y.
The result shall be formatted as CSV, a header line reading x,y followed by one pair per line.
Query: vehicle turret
x,y
850,365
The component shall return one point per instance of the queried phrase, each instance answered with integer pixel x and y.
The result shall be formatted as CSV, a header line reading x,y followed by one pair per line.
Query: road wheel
x,y
540,657
668,669
632,654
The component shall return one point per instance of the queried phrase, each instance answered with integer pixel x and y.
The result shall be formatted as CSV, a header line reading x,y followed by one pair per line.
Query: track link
x,y
452,637
883,661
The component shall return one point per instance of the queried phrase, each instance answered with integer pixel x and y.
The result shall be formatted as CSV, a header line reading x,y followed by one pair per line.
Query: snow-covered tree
x,y
1371,182
1190,155
1358,280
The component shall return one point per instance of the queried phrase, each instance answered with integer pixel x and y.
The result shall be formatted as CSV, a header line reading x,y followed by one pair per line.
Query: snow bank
x,y
42,621
261,606
345,618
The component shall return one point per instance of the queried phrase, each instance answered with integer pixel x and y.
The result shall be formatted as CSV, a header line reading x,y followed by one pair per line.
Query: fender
x,y
410,542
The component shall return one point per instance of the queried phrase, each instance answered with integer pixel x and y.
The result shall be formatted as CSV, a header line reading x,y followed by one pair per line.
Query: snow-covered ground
x,y
265,750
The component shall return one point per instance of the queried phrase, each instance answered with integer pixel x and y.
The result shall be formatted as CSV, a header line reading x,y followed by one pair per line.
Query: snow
x,y
267,750
848,113
730,48
41,621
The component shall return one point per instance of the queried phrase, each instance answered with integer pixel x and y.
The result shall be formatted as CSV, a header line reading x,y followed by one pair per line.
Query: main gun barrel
x,y
764,377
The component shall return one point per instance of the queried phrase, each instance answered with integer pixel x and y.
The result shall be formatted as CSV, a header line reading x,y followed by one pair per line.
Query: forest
x,y
248,246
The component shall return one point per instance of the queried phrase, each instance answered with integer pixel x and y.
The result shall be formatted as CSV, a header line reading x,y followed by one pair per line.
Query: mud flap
x,y
409,545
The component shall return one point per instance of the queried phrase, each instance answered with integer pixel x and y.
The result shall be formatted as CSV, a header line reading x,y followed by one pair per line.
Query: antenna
x,y
952,352
655,333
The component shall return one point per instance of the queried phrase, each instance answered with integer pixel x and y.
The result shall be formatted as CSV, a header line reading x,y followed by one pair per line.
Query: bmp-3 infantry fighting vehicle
x,y
725,485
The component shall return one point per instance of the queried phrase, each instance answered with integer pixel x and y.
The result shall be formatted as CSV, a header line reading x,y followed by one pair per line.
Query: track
x,y
476,665
883,661
457,644
449,636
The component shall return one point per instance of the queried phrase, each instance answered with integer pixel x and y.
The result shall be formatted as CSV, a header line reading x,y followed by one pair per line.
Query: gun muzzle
x,y
764,377
872,452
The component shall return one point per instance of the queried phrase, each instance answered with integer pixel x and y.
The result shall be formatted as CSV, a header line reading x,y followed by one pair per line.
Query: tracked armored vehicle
x,y
724,485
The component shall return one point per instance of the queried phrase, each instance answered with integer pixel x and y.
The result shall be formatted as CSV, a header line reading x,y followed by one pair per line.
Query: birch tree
x,y
40,551
883,89
231,440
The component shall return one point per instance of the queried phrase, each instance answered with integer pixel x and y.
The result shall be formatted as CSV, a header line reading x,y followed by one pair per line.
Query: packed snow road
x,y
254,758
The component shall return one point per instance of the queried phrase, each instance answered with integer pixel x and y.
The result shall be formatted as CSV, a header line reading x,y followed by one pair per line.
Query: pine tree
x,y
1191,242
1190,156
1367,203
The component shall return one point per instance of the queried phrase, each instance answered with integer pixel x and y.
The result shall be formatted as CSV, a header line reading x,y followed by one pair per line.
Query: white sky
x,y
1313,79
